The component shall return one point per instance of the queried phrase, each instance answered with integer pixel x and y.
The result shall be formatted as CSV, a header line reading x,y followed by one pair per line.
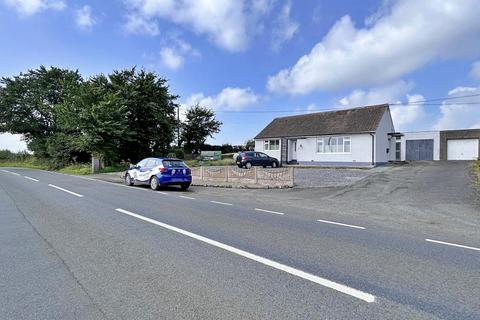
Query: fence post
x,y
256,174
201,173
226,173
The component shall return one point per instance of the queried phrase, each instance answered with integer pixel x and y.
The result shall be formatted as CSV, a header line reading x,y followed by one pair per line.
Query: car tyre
x,y
154,184
240,166
248,165
185,186
128,180
274,164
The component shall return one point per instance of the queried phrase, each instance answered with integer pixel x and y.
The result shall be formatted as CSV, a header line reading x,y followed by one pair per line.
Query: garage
x,y
462,149
417,150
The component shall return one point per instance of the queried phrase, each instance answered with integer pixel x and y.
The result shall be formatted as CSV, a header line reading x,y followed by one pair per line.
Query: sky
x,y
254,60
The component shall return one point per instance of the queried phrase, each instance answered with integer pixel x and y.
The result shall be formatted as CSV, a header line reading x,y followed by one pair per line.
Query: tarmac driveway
x,y
435,196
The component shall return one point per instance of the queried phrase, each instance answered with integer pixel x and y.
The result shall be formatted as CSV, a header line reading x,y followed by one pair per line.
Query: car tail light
x,y
163,170
244,158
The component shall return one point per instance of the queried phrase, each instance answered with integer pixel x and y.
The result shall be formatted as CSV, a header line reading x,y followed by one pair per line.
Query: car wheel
x,y
240,166
128,180
185,186
274,164
248,165
154,183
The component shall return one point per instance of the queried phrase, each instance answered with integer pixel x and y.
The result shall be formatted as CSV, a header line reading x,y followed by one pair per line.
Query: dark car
x,y
254,158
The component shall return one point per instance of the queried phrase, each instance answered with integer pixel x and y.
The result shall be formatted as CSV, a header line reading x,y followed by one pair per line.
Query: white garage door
x,y
462,149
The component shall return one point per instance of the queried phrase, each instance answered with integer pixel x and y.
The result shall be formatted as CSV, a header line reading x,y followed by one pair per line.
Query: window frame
x,y
267,144
328,147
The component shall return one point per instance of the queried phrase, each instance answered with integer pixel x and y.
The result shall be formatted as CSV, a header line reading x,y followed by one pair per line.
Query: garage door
x,y
419,150
462,149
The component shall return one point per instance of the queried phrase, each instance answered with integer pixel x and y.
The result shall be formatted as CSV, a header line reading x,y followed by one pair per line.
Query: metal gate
x,y
419,150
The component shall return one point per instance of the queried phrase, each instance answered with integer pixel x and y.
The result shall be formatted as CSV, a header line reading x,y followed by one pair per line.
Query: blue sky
x,y
250,59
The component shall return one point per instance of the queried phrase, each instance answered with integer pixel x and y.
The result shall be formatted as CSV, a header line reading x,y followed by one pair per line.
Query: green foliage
x,y
29,162
223,162
127,115
200,123
250,144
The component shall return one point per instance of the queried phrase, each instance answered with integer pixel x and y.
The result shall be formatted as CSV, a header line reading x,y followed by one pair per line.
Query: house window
x,y
334,145
272,145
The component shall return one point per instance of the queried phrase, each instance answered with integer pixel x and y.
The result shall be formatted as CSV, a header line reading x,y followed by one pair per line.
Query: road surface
x,y
74,248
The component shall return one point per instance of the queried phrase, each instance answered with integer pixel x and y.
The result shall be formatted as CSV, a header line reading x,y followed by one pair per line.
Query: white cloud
x,y
228,99
30,7
404,116
475,72
461,113
171,59
84,19
409,116
397,41
173,56
284,28
141,25
227,23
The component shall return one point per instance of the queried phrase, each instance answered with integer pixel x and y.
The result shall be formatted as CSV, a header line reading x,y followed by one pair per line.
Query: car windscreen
x,y
173,164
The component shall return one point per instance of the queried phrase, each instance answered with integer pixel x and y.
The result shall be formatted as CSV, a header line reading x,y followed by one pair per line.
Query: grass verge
x,y
31,164
223,162
77,169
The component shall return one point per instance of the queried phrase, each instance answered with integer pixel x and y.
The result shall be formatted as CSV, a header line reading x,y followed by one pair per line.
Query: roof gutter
x,y
373,148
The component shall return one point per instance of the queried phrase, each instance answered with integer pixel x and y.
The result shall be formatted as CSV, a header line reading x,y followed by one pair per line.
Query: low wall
x,y
256,177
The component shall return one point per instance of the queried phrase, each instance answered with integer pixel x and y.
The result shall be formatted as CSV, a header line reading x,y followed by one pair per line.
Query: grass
x,y
223,162
29,163
77,169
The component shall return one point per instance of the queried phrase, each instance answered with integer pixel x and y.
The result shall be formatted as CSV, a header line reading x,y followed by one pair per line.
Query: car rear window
x,y
174,164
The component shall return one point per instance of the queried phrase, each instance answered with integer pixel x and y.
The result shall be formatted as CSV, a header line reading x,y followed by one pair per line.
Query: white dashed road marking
x,y
269,211
296,272
14,173
6,171
224,203
341,224
185,197
65,190
453,244
29,178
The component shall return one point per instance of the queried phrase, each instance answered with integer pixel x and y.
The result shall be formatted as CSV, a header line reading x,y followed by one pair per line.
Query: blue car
x,y
158,172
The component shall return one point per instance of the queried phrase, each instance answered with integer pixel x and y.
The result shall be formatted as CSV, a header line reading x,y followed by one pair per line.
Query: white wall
x,y
361,150
383,141
260,146
424,135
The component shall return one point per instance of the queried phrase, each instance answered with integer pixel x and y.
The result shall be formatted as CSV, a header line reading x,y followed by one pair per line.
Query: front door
x,y
292,150
398,151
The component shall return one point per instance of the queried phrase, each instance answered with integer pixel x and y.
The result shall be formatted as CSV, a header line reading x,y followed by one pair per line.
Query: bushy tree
x,y
126,115
200,123
28,104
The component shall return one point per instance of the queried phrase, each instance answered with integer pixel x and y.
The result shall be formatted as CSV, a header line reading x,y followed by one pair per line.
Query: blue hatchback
x,y
159,172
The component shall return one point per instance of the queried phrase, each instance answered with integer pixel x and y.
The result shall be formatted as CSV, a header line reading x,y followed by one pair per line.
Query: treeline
x,y
123,116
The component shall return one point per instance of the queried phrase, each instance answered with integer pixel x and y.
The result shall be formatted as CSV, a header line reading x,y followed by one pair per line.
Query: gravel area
x,y
319,177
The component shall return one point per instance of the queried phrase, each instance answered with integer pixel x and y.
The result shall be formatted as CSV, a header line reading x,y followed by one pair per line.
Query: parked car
x,y
159,172
254,158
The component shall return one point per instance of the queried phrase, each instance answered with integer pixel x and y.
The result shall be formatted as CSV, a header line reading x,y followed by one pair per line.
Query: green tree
x,y
199,124
150,111
28,104
249,144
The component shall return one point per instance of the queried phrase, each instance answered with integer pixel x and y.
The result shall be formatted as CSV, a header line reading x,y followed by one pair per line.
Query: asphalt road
x,y
73,248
